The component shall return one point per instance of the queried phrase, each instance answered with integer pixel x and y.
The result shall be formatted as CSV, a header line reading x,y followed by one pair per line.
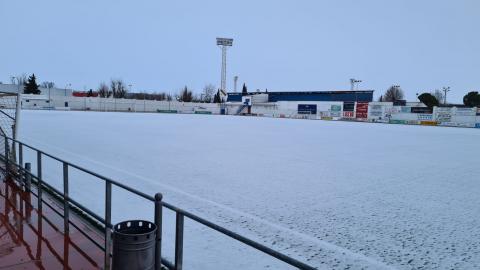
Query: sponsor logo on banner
x,y
376,110
362,110
335,111
428,123
425,117
444,116
477,125
405,109
412,122
398,121
348,114
447,124
455,124
336,108
465,112
348,106
423,110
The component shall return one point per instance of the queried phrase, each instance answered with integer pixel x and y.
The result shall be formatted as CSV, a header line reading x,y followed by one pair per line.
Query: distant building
x,y
345,96
52,92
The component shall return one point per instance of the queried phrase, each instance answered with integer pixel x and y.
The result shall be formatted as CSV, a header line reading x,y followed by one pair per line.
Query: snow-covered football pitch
x,y
337,195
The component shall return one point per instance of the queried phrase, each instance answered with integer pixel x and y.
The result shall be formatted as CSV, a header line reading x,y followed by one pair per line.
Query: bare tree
x,y
208,93
118,88
393,93
185,95
103,90
438,95
19,79
47,84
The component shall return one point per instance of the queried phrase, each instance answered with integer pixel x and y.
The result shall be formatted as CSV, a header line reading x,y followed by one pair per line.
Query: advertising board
x,y
425,117
376,110
392,121
348,114
465,111
362,110
423,110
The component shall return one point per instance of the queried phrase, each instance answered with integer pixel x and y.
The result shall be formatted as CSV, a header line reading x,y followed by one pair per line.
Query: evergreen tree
x,y
216,97
428,99
31,86
244,90
472,99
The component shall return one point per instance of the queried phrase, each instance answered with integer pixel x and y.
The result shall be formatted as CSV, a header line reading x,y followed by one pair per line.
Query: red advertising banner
x,y
362,110
348,114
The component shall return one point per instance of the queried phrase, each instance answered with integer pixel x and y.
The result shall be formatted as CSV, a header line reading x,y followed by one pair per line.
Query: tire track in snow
x,y
305,237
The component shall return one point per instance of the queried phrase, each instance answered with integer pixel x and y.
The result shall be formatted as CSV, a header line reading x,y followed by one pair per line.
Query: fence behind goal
x,y
8,119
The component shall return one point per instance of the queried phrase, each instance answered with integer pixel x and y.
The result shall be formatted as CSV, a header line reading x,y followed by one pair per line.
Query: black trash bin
x,y
134,245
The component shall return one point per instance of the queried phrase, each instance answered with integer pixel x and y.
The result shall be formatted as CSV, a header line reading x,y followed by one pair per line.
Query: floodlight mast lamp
x,y
354,84
224,43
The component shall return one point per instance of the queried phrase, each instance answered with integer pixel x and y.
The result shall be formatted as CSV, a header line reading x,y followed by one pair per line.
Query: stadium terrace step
x,y
33,240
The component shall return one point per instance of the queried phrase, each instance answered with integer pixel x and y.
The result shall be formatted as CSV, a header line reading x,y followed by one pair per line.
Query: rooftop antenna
x,y
224,43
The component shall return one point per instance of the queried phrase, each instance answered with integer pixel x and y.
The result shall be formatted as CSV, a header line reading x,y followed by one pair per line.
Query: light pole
x,y
445,91
235,80
67,85
224,43
49,96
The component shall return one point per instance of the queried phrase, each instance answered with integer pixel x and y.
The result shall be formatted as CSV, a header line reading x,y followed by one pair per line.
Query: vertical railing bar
x,y
179,242
28,177
39,183
108,221
20,154
28,189
7,157
158,236
66,206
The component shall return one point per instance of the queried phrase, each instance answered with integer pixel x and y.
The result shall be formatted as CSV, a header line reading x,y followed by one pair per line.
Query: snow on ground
x,y
336,195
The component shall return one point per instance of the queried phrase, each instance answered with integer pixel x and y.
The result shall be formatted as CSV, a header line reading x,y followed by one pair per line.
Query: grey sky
x,y
279,45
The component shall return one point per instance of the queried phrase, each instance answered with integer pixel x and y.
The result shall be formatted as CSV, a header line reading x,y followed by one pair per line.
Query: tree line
x,y
430,99
118,89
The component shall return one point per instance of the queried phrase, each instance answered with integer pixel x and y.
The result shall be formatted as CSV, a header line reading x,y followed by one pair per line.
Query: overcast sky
x,y
280,45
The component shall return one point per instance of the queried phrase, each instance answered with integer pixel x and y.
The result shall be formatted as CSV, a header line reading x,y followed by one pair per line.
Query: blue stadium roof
x,y
360,95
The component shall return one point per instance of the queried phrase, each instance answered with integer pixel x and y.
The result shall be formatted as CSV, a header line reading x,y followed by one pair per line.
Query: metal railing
x,y
105,222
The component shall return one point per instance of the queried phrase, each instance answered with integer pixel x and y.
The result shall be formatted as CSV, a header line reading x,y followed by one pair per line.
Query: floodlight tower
x,y
353,83
224,43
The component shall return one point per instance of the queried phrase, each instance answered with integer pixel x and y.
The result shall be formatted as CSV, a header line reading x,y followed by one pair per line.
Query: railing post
x,y
28,177
158,236
108,221
28,188
66,206
39,183
20,154
7,171
179,242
